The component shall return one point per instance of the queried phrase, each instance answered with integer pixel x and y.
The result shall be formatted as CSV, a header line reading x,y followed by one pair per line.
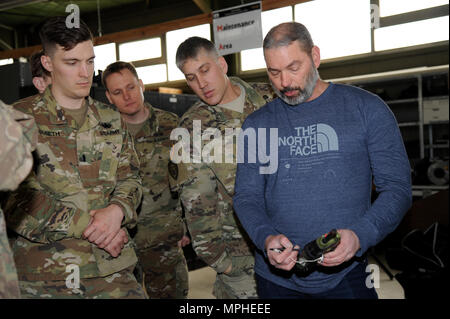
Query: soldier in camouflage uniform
x,y
72,211
40,77
160,226
207,188
18,137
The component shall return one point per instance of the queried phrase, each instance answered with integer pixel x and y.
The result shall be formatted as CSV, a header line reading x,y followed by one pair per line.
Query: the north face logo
x,y
312,139
327,139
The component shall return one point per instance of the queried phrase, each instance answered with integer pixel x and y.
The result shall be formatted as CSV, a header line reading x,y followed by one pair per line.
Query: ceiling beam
x,y
275,4
17,53
7,27
7,5
204,5
124,36
5,45
150,30
423,14
153,29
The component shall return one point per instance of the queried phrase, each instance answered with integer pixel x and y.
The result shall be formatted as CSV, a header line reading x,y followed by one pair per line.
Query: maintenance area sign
x,y
238,28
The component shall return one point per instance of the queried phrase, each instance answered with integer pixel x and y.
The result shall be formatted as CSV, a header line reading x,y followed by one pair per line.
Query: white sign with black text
x,y
238,28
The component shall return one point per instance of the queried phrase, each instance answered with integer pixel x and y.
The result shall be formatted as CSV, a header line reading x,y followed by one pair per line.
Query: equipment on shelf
x,y
426,172
438,172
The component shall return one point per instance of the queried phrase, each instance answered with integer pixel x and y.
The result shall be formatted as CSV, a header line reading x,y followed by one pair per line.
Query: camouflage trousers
x,y
120,285
9,284
241,284
162,262
165,272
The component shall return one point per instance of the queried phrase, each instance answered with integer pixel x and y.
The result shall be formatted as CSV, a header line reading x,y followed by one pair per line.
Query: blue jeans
x,y
352,286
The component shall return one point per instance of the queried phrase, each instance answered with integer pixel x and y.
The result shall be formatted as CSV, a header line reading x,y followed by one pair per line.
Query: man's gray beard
x,y
305,93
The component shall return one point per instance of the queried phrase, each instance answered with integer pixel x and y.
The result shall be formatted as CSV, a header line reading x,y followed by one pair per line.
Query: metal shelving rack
x,y
425,150
414,73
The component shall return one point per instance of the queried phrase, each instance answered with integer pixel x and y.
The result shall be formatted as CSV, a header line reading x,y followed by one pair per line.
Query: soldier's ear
x,y
39,83
223,64
108,97
47,63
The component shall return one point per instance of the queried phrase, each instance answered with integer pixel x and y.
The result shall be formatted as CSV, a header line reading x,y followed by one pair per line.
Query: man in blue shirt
x,y
332,140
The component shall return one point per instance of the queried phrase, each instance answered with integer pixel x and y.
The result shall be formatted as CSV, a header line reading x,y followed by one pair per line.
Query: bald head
x,y
286,33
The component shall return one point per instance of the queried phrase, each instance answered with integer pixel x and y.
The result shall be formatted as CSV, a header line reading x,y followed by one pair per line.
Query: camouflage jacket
x,y
18,137
76,170
152,145
207,188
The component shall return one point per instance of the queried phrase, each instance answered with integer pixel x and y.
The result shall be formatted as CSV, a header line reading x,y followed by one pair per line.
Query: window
x,y
421,28
338,28
413,33
152,73
254,58
6,61
174,39
105,54
140,50
392,7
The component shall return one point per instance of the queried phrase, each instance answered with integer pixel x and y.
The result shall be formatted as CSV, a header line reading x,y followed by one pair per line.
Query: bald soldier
x,y
18,137
72,212
207,188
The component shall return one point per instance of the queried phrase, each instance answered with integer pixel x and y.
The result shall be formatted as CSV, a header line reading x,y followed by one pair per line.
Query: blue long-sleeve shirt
x,y
328,151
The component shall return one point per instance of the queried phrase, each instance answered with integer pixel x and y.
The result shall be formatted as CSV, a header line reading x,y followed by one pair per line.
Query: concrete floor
x,y
201,283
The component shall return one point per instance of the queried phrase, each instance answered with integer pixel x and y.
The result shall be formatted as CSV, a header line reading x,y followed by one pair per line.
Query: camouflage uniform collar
x,y
150,109
151,127
92,116
253,101
251,95
56,113
236,80
58,116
